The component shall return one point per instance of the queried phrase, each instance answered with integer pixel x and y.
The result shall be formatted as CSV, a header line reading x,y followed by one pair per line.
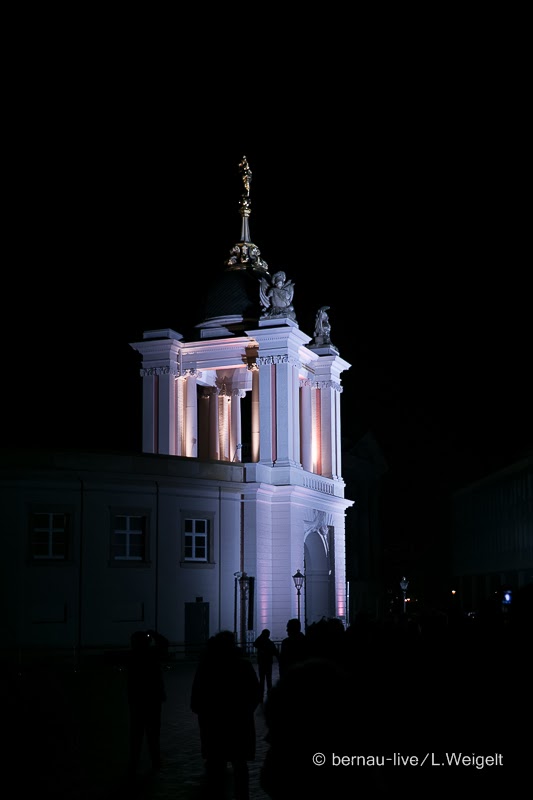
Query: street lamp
x,y
404,585
298,579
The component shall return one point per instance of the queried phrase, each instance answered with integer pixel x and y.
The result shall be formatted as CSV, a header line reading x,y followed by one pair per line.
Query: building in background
x,y
492,540
363,469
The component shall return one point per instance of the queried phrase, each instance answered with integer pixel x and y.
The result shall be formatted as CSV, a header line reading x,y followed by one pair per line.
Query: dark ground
x,y
71,739
66,729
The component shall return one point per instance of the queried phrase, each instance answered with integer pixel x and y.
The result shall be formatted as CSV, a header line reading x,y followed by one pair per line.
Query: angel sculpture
x,y
276,299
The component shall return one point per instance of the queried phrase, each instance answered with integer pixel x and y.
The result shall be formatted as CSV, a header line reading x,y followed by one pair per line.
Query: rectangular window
x,y
196,539
49,536
128,538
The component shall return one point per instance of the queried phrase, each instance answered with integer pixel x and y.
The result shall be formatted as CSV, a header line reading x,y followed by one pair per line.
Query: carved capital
x,y
152,371
266,361
310,384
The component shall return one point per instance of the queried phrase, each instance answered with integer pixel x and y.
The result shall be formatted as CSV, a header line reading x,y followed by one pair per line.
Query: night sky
x,y
416,241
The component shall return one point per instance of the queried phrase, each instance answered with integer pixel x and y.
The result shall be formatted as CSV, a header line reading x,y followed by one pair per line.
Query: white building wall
x,y
282,556
91,602
229,555
264,559
339,525
46,596
116,599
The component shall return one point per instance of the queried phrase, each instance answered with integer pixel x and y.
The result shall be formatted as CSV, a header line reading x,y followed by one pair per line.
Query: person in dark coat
x,y
314,711
224,695
266,653
293,648
146,694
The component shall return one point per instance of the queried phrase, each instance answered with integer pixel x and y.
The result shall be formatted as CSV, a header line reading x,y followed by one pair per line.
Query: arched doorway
x,y
319,575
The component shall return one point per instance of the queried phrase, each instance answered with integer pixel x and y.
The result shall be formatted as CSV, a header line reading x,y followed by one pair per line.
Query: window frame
x,y
197,563
129,513
52,510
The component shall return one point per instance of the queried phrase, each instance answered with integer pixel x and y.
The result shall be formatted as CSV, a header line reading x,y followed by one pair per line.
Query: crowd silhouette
x,y
225,694
267,652
405,705
420,703
293,648
146,694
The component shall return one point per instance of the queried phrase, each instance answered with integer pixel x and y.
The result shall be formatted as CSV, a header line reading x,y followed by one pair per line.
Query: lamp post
x,y
404,585
298,579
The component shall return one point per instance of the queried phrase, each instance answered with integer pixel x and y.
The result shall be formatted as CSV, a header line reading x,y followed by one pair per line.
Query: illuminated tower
x,y
260,399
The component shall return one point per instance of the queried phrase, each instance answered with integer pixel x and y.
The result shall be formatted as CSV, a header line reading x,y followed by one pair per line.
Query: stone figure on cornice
x,y
322,335
322,325
276,299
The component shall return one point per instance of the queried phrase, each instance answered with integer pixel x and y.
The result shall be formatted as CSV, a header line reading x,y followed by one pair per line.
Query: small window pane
x,y
128,538
196,539
200,549
49,536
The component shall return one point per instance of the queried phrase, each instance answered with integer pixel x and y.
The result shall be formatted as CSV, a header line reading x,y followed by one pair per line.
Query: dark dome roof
x,y
236,292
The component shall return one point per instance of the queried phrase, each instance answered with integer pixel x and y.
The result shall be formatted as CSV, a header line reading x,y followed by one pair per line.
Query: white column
x,y
283,410
295,421
267,388
279,360
235,431
181,416
306,428
316,424
255,433
338,448
327,374
224,424
339,532
328,443
287,428
161,353
149,432
191,416
214,449
203,425
166,432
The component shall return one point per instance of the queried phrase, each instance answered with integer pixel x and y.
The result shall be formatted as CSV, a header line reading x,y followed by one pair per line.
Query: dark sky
x,y
416,241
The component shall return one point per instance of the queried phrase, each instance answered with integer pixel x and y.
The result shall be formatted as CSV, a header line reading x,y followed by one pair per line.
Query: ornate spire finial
x,y
246,173
246,254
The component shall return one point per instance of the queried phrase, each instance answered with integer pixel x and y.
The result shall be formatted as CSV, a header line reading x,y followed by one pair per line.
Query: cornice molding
x,y
309,384
148,372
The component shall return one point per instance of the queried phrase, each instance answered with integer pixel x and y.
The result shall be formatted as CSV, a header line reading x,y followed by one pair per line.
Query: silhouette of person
x,y
293,648
224,695
266,653
146,694
326,638
310,715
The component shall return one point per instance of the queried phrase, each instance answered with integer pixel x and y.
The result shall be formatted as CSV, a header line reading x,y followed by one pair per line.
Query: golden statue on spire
x,y
246,173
